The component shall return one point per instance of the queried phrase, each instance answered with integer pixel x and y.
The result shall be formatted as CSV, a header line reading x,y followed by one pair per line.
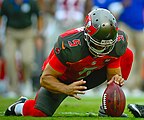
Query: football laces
x,y
104,101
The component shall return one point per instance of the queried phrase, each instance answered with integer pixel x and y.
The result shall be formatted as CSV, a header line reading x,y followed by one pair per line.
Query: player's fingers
x,y
115,79
119,80
76,96
122,82
79,92
110,81
80,87
81,82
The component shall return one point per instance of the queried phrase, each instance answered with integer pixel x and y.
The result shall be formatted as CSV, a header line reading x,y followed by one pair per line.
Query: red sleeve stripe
x,y
56,64
69,32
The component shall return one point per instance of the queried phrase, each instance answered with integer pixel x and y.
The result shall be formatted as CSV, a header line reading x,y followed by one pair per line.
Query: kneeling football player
x,y
81,59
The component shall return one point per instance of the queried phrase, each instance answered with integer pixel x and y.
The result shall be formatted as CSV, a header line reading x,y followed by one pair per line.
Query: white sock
x,y
18,109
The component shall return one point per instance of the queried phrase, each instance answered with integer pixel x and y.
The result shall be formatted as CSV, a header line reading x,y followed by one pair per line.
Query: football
x,y
113,100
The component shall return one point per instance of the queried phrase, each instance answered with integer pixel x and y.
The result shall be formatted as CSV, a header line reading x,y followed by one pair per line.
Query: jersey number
x,y
74,43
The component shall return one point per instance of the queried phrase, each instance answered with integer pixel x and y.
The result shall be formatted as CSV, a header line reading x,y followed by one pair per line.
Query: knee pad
x,y
30,110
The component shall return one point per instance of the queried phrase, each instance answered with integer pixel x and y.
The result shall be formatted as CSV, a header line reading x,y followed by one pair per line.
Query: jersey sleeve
x,y
114,64
54,62
61,51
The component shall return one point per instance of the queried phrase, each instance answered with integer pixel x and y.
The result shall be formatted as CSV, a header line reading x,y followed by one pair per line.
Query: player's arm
x,y
56,67
114,69
49,80
114,73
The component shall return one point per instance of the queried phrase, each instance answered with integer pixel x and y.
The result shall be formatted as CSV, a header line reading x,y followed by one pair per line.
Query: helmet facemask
x,y
99,48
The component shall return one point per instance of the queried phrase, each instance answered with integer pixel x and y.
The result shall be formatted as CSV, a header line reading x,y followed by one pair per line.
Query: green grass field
x,y
72,109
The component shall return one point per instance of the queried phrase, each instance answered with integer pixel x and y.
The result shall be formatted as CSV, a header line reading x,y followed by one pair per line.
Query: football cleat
x,y
102,113
11,109
136,110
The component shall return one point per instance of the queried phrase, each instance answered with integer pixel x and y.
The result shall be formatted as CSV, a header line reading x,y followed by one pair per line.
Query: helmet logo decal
x,y
91,30
57,50
107,60
74,43
120,37
93,63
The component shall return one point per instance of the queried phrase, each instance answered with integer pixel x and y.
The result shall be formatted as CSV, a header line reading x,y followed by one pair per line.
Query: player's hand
x,y
117,79
76,88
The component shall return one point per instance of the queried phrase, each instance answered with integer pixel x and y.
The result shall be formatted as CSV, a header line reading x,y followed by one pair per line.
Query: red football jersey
x,y
72,58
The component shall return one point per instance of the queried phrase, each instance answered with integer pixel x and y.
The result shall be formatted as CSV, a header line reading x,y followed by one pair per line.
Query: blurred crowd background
x,y
29,30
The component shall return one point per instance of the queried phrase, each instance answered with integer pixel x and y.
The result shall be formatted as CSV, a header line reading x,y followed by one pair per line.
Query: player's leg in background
x,y
139,57
27,50
135,43
10,48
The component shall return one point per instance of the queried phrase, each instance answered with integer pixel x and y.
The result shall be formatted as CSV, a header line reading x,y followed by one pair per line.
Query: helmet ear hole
x,y
103,25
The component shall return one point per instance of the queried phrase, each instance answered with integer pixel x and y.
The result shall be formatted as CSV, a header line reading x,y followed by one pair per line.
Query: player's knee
x,y
38,113
30,110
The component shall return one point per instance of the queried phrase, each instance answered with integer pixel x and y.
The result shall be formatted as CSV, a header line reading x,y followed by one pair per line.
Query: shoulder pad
x,y
121,44
71,48
59,50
